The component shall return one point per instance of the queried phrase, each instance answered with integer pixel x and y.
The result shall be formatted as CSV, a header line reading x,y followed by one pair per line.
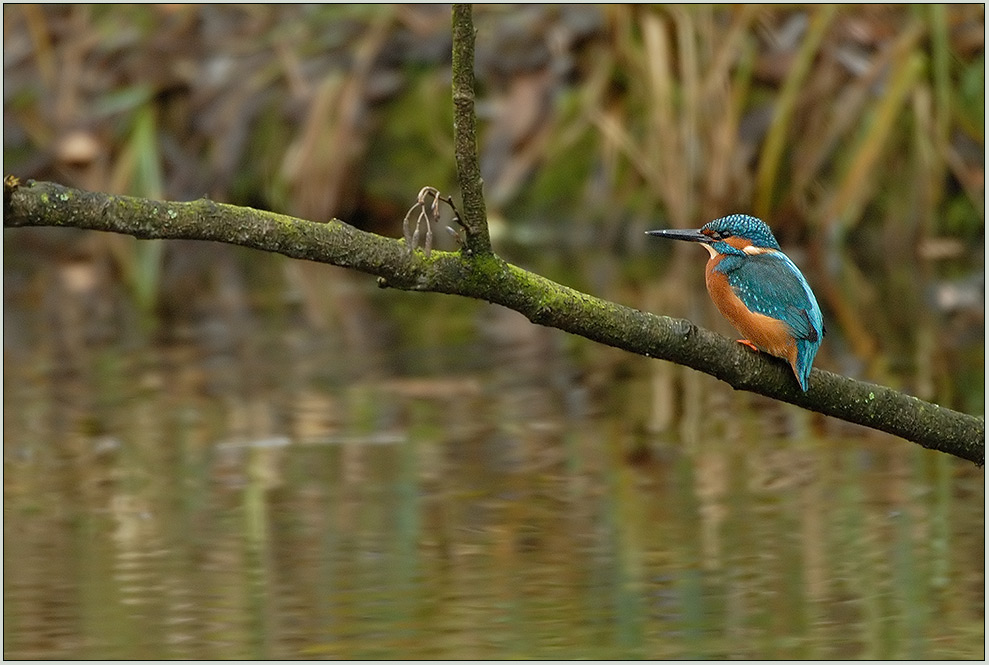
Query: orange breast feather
x,y
769,334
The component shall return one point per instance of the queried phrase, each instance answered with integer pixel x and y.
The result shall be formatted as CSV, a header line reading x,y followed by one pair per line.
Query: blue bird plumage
x,y
744,226
759,289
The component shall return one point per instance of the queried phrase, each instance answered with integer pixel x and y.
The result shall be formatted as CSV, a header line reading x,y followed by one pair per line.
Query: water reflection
x,y
461,485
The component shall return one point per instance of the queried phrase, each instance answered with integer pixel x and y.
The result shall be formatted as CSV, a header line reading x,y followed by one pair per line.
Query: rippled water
x,y
244,488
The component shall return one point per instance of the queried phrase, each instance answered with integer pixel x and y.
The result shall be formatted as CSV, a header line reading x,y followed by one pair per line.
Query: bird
x,y
759,290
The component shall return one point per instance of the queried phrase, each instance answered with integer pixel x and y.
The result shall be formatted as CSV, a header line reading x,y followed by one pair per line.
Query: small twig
x,y
411,234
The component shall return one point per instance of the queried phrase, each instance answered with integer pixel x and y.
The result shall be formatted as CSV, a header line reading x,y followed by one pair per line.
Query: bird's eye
x,y
721,235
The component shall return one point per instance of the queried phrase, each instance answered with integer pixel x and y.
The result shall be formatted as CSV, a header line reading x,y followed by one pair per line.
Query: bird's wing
x,y
772,285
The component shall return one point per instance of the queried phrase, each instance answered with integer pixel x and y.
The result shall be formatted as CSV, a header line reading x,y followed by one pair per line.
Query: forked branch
x,y
476,272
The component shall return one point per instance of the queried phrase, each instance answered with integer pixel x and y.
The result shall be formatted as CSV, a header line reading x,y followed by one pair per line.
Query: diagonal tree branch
x,y
488,277
476,272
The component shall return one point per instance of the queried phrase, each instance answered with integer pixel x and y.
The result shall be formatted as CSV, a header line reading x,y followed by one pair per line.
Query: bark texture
x,y
475,273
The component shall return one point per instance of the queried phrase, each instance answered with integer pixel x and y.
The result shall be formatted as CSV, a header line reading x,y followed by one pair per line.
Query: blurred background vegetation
x,y
813,118
853,129
462,483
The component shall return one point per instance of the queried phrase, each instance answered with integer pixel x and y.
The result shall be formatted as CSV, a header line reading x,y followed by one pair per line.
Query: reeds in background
x,y
857,132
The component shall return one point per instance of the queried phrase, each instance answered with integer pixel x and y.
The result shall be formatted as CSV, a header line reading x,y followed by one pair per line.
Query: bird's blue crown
x,y
751,228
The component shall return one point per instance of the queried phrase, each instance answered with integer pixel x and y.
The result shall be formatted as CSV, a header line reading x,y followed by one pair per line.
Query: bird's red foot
x,y
747,343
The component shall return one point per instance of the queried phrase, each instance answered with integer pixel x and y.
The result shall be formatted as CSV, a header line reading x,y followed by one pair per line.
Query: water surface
x,y
445,480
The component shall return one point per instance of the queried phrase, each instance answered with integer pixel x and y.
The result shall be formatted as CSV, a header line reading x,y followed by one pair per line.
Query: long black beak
x,y
692,235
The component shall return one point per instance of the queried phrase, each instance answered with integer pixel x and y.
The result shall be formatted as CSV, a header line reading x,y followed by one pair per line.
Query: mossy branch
x,y
476,272
487,277
475,218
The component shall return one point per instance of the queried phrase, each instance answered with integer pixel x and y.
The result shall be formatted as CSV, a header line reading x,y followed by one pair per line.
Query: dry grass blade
x,y
856,183
973,182
847,109
689,112
941,76
722,99
772,151
43,51
321,162
665,147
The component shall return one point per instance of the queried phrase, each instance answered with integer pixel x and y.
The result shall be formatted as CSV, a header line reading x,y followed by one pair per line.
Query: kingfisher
x,y
759,289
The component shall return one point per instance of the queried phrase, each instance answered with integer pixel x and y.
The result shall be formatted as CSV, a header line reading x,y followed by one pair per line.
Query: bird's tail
x,y
806,351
